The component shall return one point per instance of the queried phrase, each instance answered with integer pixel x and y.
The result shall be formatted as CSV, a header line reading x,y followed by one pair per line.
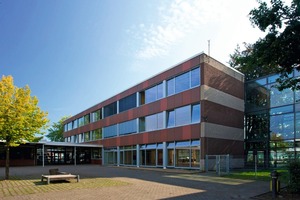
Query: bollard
x,y
275,183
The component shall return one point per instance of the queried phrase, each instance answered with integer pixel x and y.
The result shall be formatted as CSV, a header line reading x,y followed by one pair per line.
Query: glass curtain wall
x,y
272,123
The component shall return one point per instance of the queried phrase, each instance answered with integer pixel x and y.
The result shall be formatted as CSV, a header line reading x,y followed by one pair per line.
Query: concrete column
x,y
164,88
164,119
102,154
137,155
137,99
118,156
165,155
118,107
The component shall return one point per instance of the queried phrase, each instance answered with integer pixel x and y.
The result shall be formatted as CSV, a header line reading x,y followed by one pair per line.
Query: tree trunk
x,y
7,163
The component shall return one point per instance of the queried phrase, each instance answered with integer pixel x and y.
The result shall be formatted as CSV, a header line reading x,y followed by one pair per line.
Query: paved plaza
x,y
145,183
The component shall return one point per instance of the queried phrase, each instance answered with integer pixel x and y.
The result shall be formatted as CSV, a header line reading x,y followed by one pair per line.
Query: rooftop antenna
x,y
208,47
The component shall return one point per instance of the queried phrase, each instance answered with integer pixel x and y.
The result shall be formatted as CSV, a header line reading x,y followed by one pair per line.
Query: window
x,y
110,131
80,121
96,116
110,109
75,123
142,124
97,134
151,122
86,119
128,127
195,77
183,82
154,122
127,103
171,119
183,115
86,136
170,86
154,93
96,153
69,126
196,113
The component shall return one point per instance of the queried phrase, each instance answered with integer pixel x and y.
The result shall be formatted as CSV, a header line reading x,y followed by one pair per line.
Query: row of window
x,y
178,117
172,86
179,154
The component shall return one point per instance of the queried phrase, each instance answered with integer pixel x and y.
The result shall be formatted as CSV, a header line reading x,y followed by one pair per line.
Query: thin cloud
x,y
176,21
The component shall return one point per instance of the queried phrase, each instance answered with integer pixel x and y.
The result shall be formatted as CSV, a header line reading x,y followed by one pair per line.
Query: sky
x,y
74,54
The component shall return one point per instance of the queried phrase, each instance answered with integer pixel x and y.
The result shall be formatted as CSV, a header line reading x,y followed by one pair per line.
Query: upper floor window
x,y
154,93
96,116
183,115
110,131
110,109
80,121
127,103
128,127
183,82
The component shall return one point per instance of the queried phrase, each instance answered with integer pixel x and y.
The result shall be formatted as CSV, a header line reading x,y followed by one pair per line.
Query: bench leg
x,y
48,180
77,178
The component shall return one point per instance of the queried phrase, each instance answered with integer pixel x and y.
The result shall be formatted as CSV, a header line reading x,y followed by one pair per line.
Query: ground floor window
x,y
179,154
184,154
128,155
110,156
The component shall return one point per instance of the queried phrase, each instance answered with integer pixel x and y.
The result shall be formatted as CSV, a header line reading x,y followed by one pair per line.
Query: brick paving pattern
x,y
142,183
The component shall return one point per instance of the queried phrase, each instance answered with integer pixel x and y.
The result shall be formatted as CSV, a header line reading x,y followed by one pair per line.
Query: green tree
x,y
279,50
55,133
20,116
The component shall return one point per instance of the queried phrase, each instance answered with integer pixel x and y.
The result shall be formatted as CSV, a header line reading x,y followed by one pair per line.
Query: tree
x,y
20,116
278,52
56,131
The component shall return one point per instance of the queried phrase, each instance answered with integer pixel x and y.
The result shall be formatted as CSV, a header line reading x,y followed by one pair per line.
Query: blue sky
x,y
74,54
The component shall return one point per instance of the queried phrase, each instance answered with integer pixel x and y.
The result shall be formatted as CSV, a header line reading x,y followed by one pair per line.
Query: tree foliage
x,y
20,116
279,50
55,133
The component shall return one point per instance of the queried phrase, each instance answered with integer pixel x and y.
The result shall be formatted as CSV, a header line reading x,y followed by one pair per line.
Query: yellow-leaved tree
x,y
20,117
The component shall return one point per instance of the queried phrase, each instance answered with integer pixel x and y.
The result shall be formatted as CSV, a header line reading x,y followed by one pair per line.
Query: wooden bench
x,y
59,177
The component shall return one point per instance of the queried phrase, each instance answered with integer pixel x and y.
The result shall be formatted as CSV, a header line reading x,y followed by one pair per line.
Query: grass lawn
x,y
23,186
262,175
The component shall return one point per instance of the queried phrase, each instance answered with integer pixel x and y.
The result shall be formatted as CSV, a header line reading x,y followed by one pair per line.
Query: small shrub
x,y
294,171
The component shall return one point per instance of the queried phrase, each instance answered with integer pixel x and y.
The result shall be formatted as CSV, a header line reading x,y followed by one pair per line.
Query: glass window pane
x,y
160,93
160,121
272,79
110,109
127,103
195,79
297,125
142,124
150,94
151,123
282,127
279,98
171,119
281,110
128,127
110,131
170,87
182,82
196,113
262,81
183,115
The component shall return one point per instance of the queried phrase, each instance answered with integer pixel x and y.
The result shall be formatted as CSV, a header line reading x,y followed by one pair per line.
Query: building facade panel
x,y
222,115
